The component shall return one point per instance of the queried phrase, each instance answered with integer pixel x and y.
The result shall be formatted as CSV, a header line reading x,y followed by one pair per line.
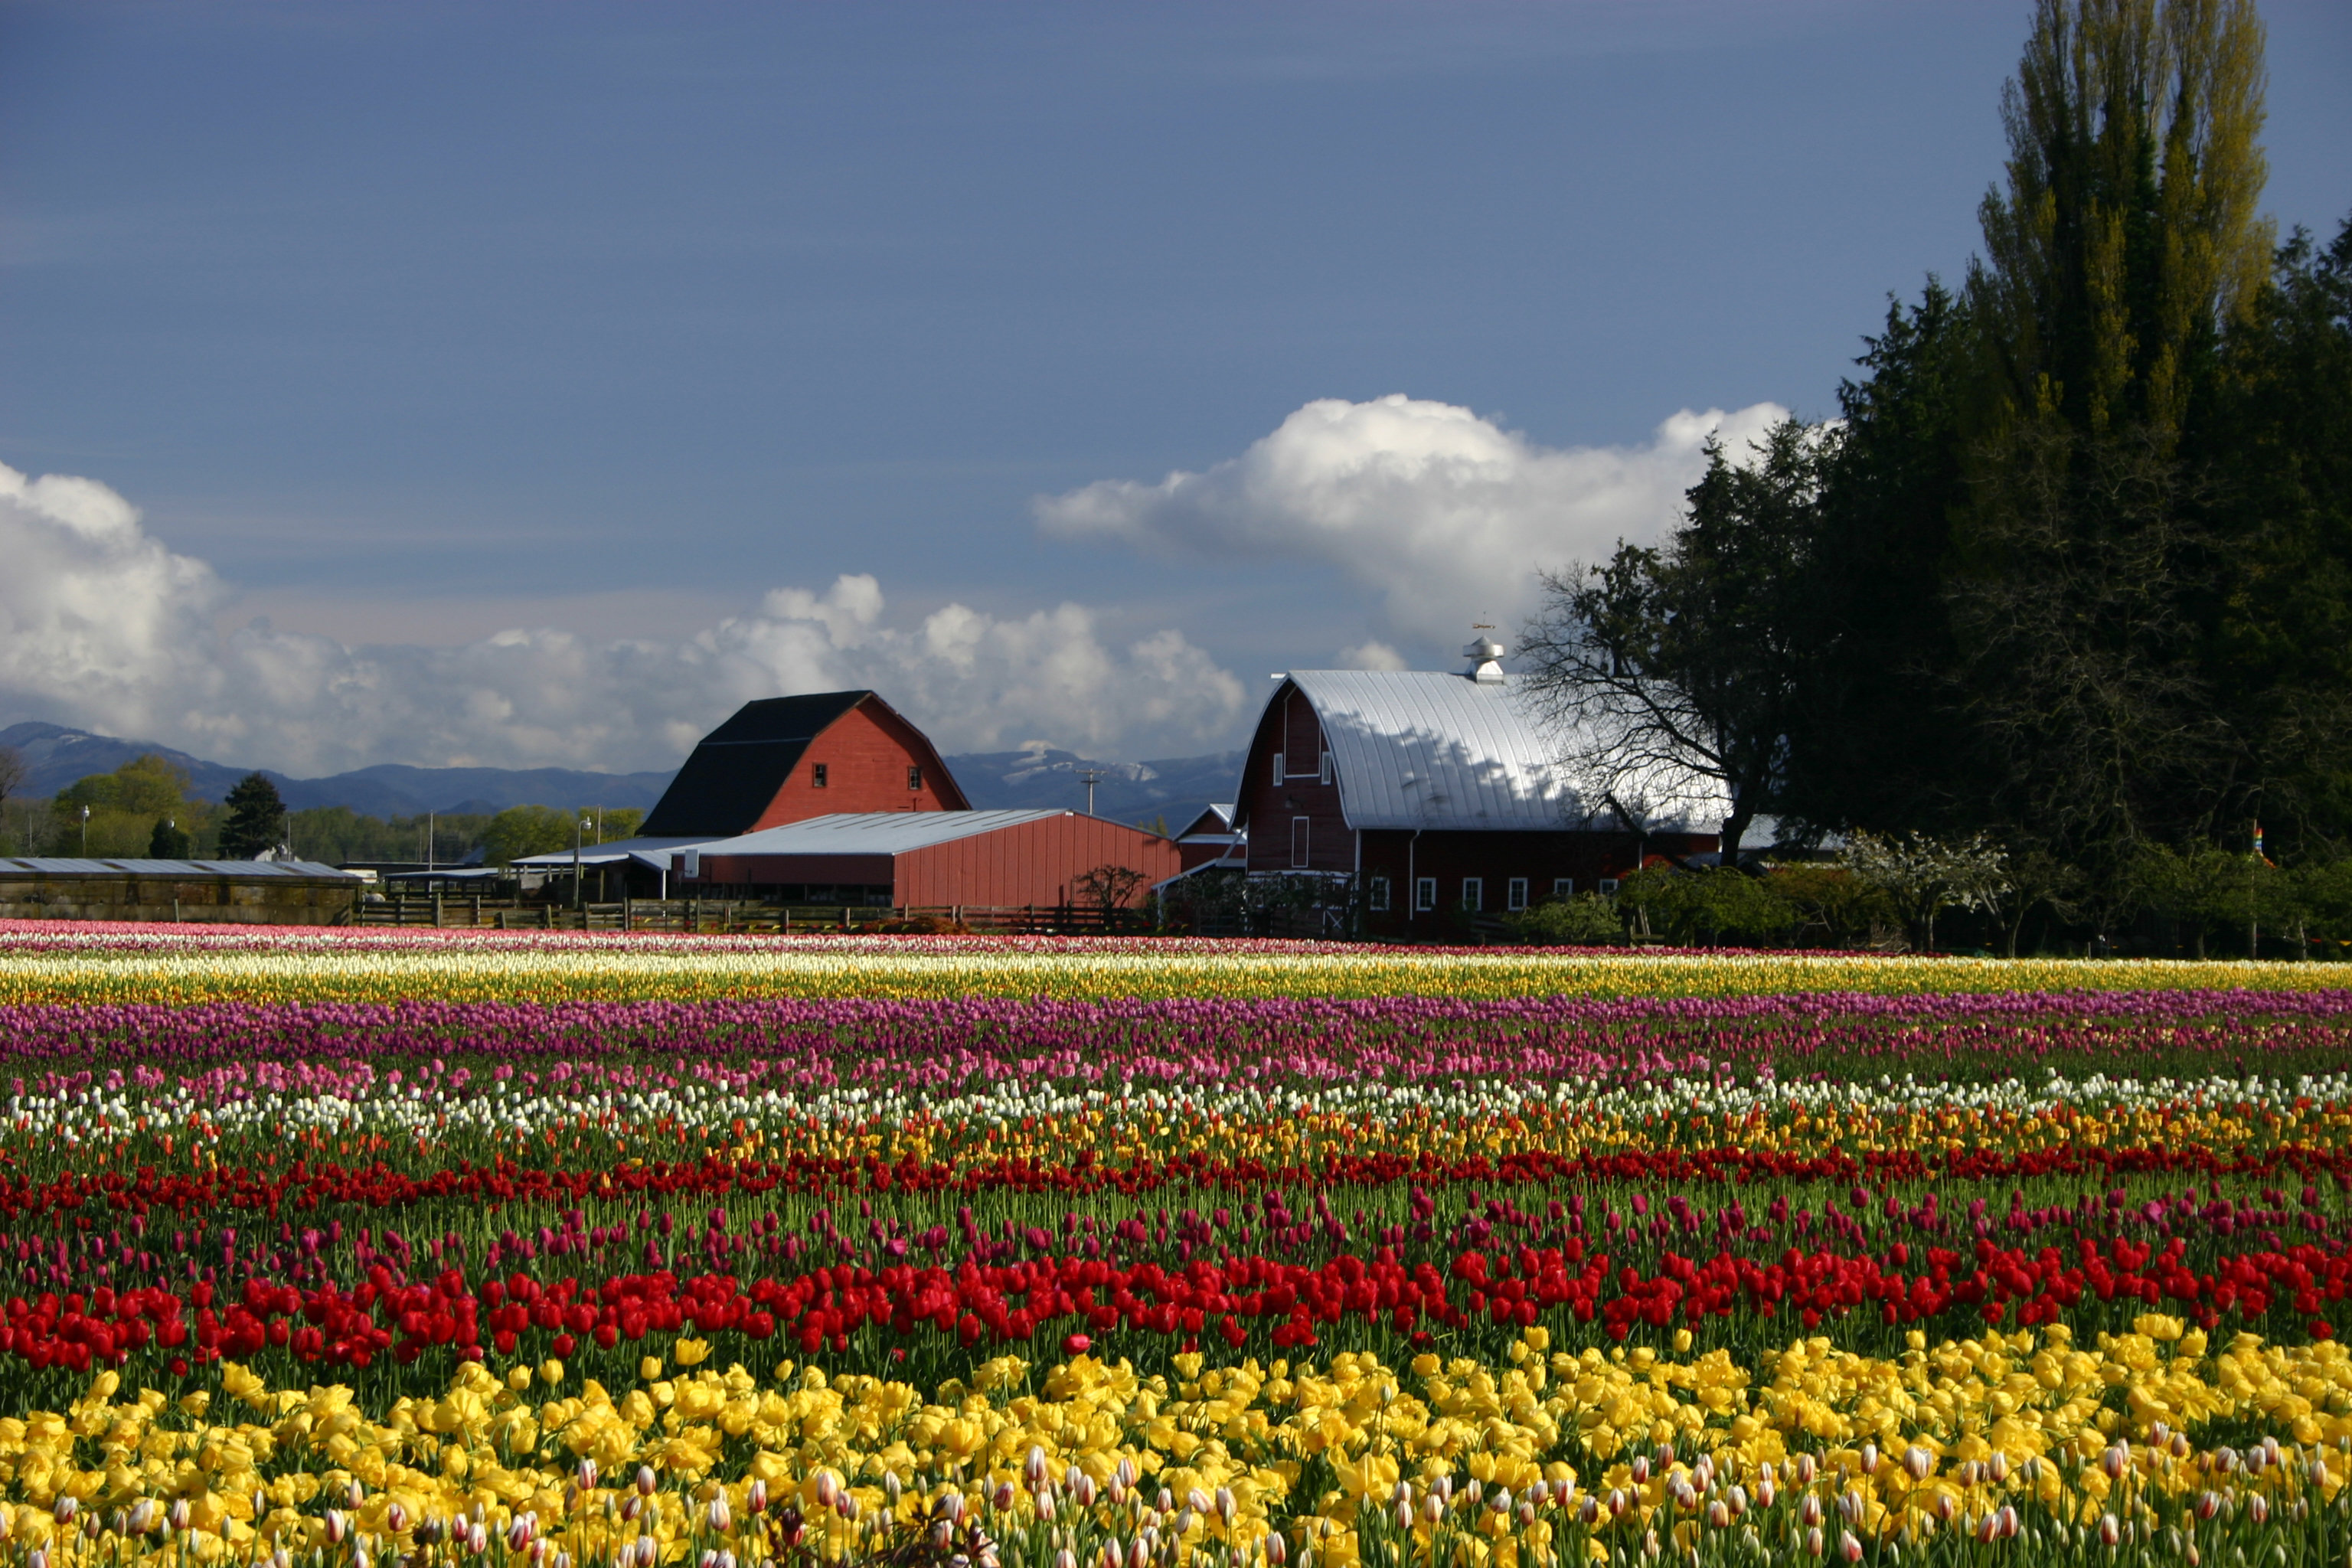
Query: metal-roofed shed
x,y
924,860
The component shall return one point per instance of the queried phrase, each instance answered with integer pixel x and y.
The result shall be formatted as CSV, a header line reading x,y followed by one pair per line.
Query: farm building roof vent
x,y
1484,654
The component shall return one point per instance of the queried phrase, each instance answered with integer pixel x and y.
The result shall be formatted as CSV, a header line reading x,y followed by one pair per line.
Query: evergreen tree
x,y
2276,439
1671,674
256,819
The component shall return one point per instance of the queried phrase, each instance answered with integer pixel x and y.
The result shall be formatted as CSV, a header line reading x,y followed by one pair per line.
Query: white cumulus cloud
x,y
102,625
1444,514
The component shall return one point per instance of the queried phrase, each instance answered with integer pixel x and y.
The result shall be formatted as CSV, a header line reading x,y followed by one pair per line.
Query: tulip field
x,y
400,1250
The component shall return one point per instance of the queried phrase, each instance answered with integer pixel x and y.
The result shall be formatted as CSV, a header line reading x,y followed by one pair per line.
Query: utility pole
x,y
2254,896
1092,777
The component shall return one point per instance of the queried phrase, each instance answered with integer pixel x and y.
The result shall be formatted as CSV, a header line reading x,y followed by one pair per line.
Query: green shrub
x,y
1580,920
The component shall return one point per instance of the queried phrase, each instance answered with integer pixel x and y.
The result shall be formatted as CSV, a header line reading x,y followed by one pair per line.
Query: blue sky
x,y
555,376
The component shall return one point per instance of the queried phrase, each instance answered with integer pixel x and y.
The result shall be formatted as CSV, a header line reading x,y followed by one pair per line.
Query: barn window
x,y
1473,893
1561,887
914,778
1377,895
817,775
1326,776
1607,885
1277,767
1298,843
1515,893
1424,893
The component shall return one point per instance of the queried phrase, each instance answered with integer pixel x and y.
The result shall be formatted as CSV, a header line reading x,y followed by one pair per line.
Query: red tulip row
x,y
1234,1299
304,1185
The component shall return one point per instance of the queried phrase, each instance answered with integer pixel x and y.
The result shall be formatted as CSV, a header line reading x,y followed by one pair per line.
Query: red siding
x,y
1583,856
865,756
1272,810
1032,863
1029,863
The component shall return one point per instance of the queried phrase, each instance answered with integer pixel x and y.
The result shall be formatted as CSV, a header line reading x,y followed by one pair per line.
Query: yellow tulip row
x,y
459,971
1332,1458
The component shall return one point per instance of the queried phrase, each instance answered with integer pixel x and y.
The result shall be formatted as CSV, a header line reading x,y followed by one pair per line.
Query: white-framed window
x,y
1277,767
1473,893
1425,892
1299,845
1324,776
1607,885
1515,893
1562,886
1376,895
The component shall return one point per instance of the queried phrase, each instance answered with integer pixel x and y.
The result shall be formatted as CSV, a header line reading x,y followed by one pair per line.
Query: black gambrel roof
x,y
739,766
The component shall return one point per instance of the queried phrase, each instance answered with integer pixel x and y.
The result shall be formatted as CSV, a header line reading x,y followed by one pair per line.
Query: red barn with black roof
x,y
786,759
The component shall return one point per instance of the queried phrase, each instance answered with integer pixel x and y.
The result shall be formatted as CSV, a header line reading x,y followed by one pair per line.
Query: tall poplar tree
x,y
2129,235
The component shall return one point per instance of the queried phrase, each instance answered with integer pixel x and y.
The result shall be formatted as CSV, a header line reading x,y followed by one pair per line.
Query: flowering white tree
x,y
1922,876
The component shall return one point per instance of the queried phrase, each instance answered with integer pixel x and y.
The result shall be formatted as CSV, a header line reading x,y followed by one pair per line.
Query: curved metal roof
x,y
1424,749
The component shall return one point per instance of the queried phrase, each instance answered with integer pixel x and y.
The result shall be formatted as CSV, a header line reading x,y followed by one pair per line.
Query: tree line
x,y
144,809
2069,571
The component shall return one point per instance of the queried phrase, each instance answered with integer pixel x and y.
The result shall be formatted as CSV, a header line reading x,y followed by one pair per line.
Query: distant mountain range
x,y
1176,788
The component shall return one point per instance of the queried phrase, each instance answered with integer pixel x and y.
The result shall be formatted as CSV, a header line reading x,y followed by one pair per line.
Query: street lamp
x,y
579,832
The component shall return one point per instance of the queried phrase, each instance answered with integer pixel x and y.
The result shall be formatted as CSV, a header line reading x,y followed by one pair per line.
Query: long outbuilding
x,y
944,859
